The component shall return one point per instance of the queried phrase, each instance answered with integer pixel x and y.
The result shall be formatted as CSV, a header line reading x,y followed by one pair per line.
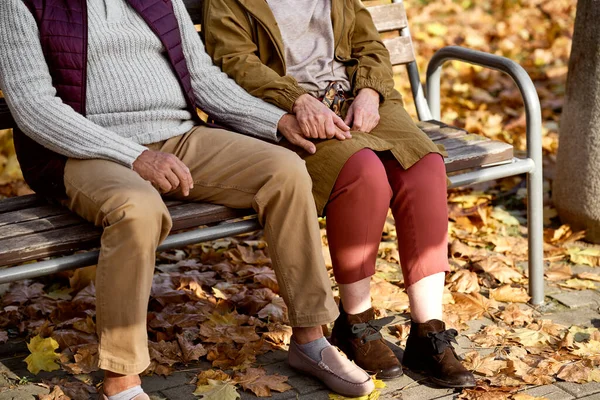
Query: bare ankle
x,y
116,383
305,335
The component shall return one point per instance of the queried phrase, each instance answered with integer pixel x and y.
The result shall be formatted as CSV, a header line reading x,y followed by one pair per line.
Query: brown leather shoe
x,y
334,370
429,350
358,336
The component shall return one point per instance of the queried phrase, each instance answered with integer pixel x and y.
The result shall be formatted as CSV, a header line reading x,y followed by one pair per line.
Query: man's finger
x,y
306,145
181,174
188,174
173,179
163,185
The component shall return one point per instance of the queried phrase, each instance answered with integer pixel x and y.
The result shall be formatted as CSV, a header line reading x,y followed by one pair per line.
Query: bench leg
x,y
535,225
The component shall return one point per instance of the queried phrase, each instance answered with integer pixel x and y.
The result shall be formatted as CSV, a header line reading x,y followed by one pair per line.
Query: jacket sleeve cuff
x,y
290,96
375,84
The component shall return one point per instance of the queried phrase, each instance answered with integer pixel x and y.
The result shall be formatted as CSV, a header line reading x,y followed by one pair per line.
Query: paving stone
x,y
156,383
272,357
290,394
592,397
399,383
476,324
184,392
26,392
580,390
464,345
550,289
305,384
281,368
320,395
550,392
583,317
420,391
578,299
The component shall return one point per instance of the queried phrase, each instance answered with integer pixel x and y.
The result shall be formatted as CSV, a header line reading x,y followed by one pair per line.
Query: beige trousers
x,y
228,169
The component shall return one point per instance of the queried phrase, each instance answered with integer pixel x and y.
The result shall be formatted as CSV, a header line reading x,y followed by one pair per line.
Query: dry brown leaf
x,y
463,281
510,294
472,305
487,366
189,350
56,394
559,272
276,311
578,372
578,284
214,374
514,315
258,382
22,292
589,276
388,296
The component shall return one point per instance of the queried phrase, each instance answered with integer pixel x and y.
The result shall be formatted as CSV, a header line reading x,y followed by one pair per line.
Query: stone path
x,y
567,308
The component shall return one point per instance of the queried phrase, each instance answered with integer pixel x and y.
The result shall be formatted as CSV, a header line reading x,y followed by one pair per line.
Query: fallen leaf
x,y
217,390
42,357
559,273
510,294
463,281
56,394
589,276
586,256
258,382
578,284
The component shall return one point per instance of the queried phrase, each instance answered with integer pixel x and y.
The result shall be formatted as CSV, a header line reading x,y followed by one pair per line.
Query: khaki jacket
x,y
243,39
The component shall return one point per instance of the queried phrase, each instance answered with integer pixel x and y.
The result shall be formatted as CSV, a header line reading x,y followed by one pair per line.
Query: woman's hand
x,y
317,121
363,113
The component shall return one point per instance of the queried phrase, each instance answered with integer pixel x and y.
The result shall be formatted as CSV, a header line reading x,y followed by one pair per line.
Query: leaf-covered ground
x,y
219,301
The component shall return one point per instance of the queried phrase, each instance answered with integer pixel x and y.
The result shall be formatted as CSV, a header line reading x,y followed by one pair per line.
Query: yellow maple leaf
x,y
217,390
42,357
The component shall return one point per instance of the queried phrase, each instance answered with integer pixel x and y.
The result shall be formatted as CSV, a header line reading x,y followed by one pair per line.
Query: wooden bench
x,y
31,229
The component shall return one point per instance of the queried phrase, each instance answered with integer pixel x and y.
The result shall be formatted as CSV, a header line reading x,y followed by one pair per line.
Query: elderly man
x,y
104,93
323,61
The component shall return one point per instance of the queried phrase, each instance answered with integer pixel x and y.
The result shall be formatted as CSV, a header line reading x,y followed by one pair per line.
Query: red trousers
x,y
369,184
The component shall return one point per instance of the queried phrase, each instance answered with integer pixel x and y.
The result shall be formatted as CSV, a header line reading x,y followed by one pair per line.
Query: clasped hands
x,y
314,120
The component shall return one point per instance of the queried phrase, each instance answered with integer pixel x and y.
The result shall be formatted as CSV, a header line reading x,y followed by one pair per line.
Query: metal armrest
x,y
534,145
515,71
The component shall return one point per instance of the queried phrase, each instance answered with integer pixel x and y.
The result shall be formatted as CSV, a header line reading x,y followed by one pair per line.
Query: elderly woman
x,y
323,61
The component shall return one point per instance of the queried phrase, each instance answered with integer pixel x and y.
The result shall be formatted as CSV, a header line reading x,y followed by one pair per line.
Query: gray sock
x,y
127,394
313,349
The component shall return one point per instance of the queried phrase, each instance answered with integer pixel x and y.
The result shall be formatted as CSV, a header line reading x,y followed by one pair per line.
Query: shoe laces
x,y
442,340
369,330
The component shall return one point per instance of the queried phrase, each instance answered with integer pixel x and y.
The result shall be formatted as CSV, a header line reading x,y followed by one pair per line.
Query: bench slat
x,y
21,202
490,152
389,17
31,239
401,50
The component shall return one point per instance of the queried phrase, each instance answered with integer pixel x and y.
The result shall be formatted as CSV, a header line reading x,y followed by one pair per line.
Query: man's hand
x,y
165,171
289,128
316,121
363,114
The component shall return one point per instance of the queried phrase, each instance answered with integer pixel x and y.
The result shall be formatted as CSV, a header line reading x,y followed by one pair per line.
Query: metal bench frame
x,y
427,109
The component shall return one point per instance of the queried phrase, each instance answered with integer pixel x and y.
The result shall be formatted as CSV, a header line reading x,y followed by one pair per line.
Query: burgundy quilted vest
x,y
63,35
